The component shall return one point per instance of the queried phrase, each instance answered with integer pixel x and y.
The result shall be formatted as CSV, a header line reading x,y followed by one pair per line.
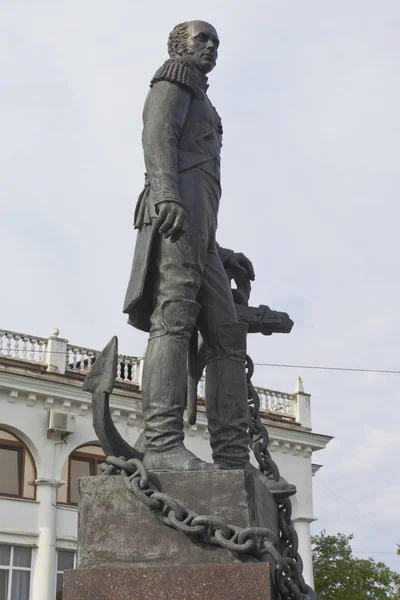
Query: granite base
x,y
190,582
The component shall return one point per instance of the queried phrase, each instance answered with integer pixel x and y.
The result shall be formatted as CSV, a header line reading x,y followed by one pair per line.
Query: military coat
x,y
181,131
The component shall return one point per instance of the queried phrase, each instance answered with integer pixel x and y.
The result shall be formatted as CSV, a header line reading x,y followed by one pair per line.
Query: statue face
x,y
202,42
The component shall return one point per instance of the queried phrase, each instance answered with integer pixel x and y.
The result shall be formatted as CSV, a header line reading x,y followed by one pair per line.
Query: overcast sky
x,y
309,94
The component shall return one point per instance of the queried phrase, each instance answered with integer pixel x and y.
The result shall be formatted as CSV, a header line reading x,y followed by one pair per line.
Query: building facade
x,y
47,442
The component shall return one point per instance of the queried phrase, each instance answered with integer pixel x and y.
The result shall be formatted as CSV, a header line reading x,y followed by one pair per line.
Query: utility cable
x,y
275,365
324,368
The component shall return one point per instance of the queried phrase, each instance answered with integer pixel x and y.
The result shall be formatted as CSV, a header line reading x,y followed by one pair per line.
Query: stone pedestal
x,y
115,529
126,553
197,582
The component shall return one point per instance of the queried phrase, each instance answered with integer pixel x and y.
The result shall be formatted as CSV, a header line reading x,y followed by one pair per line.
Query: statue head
x,y
195,42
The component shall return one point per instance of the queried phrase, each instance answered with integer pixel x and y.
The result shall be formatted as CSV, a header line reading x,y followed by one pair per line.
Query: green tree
x,y
341,576
396,579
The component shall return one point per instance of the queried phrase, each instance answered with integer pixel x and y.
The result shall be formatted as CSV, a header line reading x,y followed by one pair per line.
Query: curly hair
x,y
177,40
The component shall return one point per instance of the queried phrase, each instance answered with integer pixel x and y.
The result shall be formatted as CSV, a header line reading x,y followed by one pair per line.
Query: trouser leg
x,y
226,397
226,388
164,383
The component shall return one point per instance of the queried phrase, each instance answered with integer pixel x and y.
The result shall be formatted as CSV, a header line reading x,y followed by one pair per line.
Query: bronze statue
x,y
179,281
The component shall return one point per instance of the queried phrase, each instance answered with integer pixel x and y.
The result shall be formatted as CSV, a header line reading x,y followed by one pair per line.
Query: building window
x,y
65,560
15,572
83,461
17,468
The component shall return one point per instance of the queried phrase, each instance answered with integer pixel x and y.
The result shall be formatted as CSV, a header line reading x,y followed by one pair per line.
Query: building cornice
x,y
54,391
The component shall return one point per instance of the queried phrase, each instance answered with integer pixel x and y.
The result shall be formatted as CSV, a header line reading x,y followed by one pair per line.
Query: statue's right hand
x,y
172,220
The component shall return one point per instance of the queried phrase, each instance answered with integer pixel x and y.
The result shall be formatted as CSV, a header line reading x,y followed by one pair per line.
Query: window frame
x,y
22,449
58,572
10,568
87,457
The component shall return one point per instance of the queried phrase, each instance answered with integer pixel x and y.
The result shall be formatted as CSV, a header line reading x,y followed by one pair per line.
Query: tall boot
x,y
226,397
226,405
164,389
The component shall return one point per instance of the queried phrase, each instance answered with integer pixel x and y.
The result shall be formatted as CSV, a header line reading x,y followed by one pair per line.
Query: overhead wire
x,y
351,506
325,368
274,365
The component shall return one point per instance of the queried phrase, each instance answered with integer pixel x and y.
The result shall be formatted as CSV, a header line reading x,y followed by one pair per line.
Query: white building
x,y
39,468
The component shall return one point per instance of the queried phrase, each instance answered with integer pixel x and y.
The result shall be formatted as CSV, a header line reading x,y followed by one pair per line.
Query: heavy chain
x,y
258,433
254,541
289,572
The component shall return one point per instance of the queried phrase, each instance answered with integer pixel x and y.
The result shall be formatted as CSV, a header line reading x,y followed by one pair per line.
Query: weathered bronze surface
x,y
179,282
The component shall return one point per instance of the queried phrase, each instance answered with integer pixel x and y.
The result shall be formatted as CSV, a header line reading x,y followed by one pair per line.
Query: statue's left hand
x,y
240,267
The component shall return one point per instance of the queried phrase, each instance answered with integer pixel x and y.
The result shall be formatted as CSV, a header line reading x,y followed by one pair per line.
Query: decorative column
x,y
44,575
302,526
304,500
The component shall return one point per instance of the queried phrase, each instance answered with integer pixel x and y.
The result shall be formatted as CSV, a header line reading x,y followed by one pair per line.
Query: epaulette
x,y
178,71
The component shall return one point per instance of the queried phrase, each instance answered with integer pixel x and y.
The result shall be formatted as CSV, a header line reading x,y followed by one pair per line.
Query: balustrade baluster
x,y
272,401
9,337
16,345
41,353
74,358
32,342
127,363
119,378
90,359
2,334
82,359
25,341
123,368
